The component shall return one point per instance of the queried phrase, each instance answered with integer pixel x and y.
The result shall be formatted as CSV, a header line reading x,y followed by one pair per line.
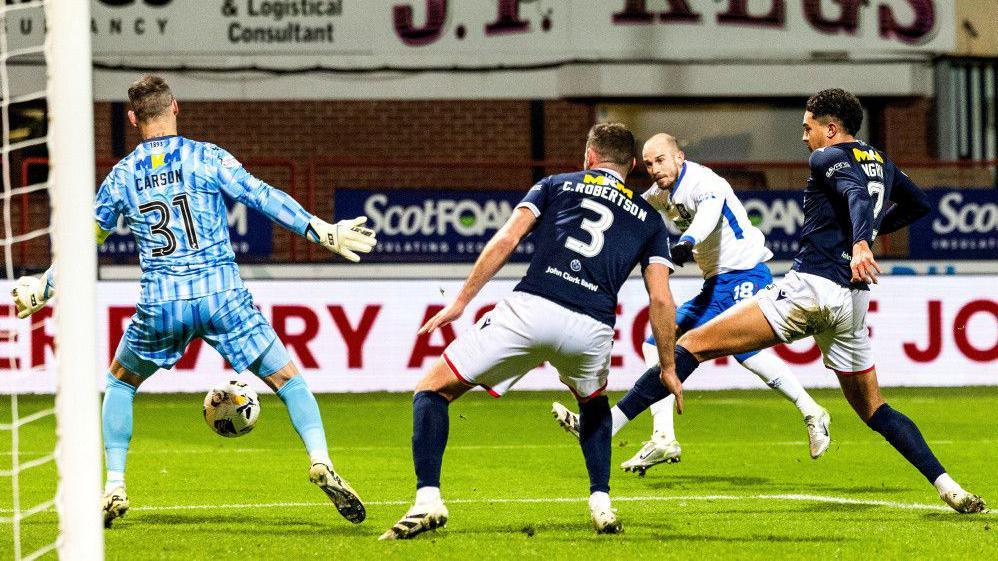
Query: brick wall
x,y
376,132
382,131
908,129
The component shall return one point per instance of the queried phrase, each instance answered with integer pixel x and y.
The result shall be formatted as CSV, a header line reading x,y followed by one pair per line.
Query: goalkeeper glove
x,y
682,252
345,237
30,294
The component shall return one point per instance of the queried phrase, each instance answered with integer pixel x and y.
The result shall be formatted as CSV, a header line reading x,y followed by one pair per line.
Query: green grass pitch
x,y
516,484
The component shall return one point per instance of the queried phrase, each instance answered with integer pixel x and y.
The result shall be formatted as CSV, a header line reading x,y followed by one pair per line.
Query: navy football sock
x,y
903,435
646,391
649,388
595,431
430,425
686,363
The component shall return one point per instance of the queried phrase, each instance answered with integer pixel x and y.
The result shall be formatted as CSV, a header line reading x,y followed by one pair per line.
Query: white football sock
x,y
661,411
320,457
599,501
945,484
777,375
428,495
114,480
618,418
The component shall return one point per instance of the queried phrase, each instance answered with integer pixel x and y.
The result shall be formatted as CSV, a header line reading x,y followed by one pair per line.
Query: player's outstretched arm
x,y
30,294
493,257
662,316
346,237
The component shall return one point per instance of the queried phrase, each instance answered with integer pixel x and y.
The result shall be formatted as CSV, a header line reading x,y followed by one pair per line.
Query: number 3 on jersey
x,y
162,226
595,228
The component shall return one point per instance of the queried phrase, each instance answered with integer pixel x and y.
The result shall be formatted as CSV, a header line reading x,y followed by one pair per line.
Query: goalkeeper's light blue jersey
x,y
169,190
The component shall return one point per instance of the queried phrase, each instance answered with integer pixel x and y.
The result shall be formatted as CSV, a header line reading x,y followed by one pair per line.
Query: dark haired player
x,y
170,191
590,232
854,193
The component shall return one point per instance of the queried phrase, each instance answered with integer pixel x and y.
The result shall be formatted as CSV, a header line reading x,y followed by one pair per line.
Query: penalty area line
x,y
554,500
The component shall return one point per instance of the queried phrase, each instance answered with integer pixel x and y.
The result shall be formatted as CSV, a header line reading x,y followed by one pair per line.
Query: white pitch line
x,y
555,500
347,449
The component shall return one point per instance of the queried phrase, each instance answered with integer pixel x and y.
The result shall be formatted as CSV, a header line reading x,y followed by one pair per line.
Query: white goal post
x,y
71,179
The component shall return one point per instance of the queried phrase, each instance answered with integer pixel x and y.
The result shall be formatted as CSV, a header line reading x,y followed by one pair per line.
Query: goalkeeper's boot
x,y
655,451
963,502
604,516
339,491
818,437
420,518
567,419
115,505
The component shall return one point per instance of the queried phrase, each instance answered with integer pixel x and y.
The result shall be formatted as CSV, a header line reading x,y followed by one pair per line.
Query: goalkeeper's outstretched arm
x,y
31,293
346,237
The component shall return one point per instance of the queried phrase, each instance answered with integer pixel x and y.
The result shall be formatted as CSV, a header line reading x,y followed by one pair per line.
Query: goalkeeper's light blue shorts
x,y
228,321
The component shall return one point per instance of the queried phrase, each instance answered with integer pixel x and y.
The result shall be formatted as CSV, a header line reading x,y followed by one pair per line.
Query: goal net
x,y
51,462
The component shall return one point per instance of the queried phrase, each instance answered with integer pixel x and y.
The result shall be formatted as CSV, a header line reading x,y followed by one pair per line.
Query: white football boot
x,y
963,502
339,491
604,516
115,505
818,437
420,518
567,419
655,451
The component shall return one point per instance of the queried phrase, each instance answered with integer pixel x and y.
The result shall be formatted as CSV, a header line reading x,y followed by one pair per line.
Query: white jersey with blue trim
x,y
169,191
734,244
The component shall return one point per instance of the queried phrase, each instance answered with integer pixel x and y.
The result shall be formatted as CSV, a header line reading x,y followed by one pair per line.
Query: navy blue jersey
x,y
846,201
592,232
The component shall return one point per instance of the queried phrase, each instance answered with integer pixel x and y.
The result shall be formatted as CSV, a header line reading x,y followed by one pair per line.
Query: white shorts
x,y
524,331
801,305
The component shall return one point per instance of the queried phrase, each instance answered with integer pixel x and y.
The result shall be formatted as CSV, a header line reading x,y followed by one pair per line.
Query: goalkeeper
x,y
169,190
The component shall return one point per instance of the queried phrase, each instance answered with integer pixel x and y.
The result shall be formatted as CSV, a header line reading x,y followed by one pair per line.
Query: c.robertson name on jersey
x,y
609,189
592,231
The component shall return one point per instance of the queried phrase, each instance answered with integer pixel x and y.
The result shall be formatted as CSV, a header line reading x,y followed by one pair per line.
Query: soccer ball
x,y
231,409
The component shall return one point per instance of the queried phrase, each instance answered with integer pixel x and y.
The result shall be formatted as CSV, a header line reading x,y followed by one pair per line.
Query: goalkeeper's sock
x,y
304,413
116,424
430,425
595,428
905,437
